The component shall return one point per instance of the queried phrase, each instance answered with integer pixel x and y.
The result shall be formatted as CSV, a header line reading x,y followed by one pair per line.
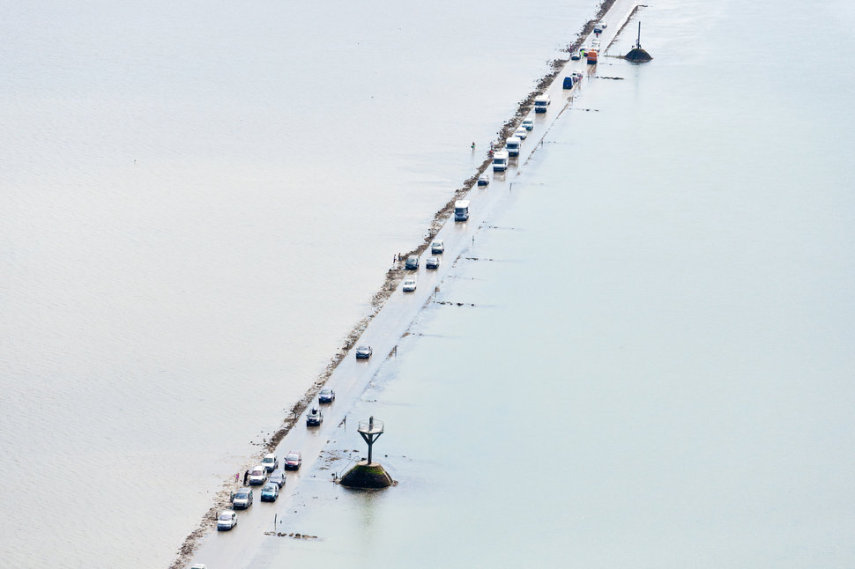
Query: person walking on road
x,y
245,477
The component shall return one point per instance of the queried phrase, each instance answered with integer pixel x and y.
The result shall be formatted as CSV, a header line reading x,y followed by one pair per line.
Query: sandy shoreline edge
x,y
378,300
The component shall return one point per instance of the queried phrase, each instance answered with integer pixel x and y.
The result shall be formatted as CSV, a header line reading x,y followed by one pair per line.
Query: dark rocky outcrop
x,y
638,55
367,476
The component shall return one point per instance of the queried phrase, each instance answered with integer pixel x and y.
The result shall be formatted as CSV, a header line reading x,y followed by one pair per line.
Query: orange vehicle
x,y
592,57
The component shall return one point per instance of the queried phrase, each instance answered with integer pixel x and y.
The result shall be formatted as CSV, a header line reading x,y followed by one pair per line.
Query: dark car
x,y
326,395
242,499
363,352
412,263
483,181
292,460
432,263
269,493
314,418
278,479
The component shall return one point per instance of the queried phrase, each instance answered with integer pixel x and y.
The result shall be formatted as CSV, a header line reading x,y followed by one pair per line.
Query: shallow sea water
x,y
656,369
197,203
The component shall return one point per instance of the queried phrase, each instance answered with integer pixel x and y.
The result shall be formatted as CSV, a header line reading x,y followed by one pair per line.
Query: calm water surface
x,y
198,202
657,368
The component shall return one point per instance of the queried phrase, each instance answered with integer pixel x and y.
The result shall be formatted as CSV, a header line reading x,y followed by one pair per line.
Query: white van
x,y
257,475
461,210
500,161
513,144
540,103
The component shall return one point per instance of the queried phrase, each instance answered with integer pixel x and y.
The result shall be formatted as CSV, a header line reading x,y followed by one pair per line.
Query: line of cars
x,y
265,474
409,284
262,474
513,144
242,498
326,396
599,27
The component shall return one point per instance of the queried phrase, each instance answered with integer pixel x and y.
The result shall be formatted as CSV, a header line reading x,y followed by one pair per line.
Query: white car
x,y
437,247
270,462
409,285
257,475
225,521
521,133
528,124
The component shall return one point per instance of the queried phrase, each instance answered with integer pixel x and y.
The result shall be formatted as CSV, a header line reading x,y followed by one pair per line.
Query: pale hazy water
x,y
198,202
658,369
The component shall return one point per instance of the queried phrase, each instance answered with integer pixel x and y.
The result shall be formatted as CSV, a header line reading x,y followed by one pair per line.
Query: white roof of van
x,y
541,98
461,203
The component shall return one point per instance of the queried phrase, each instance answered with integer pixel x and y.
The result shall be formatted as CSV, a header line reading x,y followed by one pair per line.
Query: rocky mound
x,y
365,475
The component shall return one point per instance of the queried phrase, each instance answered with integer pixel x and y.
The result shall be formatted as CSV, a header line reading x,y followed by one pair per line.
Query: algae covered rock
x,y
638,54
365,475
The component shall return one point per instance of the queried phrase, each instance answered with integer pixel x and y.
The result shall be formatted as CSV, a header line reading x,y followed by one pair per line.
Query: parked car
x,y
577,55
226,521
412,263
314,418
270,462
326,395
270,492
242,499
528,124
199,566
437,247
292,460
409,285
364,352
483,181
278,479
432,263
257,475
521,132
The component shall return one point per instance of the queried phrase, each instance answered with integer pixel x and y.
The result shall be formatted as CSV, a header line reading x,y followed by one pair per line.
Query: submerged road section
x,y
235,548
